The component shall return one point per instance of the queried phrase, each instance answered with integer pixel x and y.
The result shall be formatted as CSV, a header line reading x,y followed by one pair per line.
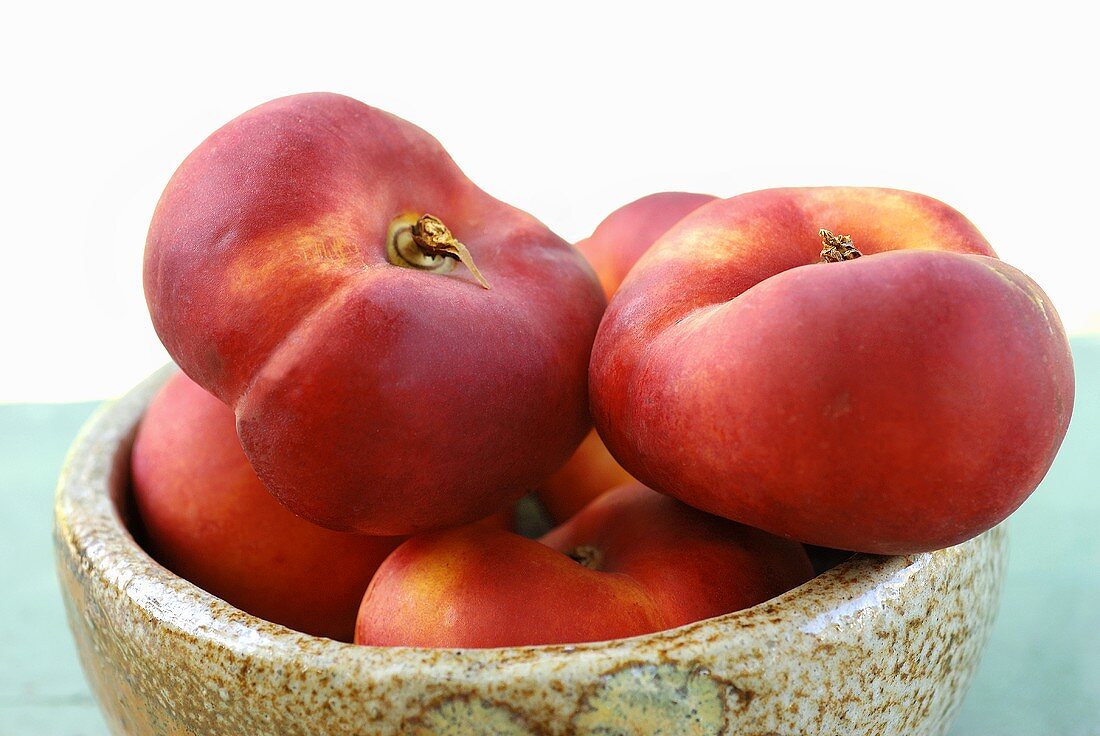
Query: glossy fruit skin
x,y
612,249
903,401
206,516
369,397
660,564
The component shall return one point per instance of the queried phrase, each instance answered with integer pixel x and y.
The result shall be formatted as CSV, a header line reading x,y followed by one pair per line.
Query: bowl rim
x,y
89,531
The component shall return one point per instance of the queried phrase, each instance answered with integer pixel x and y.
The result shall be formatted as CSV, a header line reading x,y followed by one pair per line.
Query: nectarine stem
x,y
427,244
586,555
435,238
836,248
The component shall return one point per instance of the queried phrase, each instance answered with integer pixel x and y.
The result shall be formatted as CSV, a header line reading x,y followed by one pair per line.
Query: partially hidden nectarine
x,y
626,234
612,249
633,561
207,517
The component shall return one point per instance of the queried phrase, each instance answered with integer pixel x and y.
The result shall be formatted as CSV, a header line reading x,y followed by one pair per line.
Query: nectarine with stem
x,y
849,367
632,562
300,266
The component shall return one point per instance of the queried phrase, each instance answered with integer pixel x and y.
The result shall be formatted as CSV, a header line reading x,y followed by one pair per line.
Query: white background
x,y
567,111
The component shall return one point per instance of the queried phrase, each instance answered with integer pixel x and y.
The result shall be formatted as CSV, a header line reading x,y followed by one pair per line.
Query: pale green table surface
x,y
1040,675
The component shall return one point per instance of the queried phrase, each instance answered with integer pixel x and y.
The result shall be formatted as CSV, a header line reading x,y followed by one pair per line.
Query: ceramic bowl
x,y
876,645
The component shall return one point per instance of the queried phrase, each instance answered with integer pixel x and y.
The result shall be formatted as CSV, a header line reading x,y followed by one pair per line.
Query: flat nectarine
x,y
301,267
900,391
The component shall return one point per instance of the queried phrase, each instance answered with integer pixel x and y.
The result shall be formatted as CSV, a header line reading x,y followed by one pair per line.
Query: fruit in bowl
x,y
206,516
895,391
402,354
163,656
632,562
300,266
613,248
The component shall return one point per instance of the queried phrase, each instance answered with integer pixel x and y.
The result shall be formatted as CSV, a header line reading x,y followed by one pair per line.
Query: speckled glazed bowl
x,y
877,645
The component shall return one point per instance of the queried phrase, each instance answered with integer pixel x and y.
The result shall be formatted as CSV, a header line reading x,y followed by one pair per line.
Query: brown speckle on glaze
x,y
882,646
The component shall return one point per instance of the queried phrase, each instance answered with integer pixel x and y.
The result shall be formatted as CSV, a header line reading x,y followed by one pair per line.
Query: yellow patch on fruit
x,y
324,246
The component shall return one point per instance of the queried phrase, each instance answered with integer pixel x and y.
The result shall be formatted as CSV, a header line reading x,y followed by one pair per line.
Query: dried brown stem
x,y
837,248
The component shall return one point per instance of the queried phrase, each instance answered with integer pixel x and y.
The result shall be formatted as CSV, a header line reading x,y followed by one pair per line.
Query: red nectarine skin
x,y
649,563
694,565
475,586
210,520
612,249
369,397
623,236
902,401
